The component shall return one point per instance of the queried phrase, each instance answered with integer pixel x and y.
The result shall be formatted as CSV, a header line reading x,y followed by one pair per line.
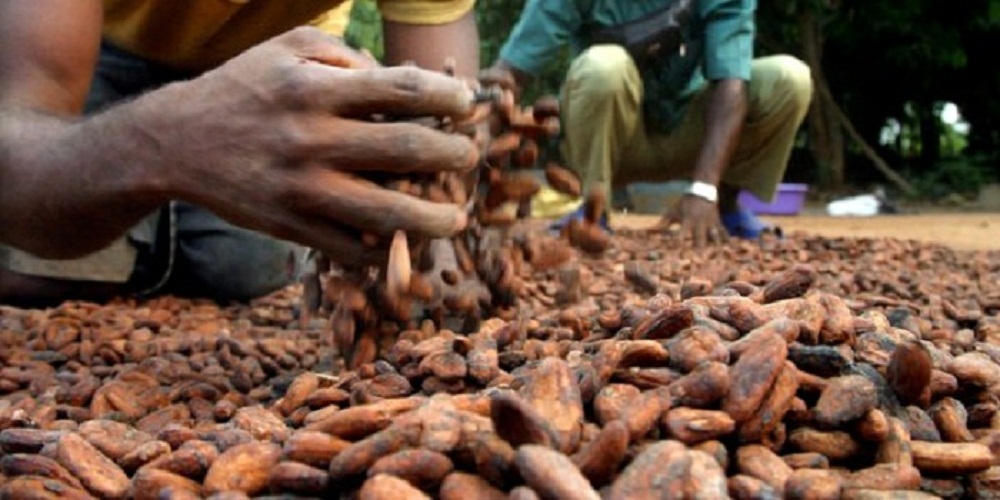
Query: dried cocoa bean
x,y
752,376
98,474
552,474
692,426
951,458
599,459
460,486
386,486
424,469
814,484
298,478
759,462
244,468
313,448
844,400
153,484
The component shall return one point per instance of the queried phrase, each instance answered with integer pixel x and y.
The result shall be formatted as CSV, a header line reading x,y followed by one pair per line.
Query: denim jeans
x,y
181,248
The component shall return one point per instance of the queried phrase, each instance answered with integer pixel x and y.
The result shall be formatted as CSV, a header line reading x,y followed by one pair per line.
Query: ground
x,y
960,231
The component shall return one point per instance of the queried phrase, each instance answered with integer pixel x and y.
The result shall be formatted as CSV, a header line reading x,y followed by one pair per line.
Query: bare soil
x,y
959,231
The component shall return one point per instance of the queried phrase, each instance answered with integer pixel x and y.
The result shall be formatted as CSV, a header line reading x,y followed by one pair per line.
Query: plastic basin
x,y
788,200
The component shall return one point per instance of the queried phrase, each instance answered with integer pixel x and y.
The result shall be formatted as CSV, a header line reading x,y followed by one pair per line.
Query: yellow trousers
x,y
606,143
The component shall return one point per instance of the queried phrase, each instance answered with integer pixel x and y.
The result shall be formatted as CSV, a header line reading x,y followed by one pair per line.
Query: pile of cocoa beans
x,y
801,367
471,276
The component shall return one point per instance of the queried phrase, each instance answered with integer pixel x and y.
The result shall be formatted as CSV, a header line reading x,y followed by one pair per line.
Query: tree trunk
x,y
826,138
930,134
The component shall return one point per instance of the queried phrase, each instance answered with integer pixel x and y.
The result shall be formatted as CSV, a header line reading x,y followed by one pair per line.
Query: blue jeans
x,y
184,249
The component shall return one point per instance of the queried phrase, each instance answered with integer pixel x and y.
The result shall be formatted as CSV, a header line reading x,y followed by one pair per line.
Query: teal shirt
x,y
718,45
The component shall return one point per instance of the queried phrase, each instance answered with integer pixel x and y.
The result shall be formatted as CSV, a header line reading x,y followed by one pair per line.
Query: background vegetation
x,y
906,90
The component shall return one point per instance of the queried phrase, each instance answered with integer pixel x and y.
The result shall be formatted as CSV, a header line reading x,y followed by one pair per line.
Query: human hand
x,y
501,75
277,140
695,217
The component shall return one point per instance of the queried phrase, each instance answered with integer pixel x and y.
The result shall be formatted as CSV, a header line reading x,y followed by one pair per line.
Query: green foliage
x,y
496,19
365,29
962,175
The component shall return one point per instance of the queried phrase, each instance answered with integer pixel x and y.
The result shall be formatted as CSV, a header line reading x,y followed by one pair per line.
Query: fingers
x,y
700,233
318,233
315,45
498,76
400,91
355,202
388,147
719,234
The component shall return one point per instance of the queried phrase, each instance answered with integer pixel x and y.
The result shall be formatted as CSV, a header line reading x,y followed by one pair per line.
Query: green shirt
x,y
718,45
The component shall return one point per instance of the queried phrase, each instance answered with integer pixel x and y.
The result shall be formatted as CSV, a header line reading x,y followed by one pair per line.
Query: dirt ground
x,y
961,231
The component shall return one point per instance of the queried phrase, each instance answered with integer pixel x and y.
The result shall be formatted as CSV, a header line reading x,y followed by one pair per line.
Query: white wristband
x,y
703,190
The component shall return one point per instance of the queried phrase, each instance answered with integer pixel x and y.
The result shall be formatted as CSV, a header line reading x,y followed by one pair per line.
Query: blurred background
x,y
907,96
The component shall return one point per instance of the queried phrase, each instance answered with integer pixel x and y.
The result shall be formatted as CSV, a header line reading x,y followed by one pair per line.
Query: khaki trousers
x,y
606,142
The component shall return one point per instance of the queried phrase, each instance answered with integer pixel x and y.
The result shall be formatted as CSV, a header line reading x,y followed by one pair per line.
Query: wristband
x,y
703,190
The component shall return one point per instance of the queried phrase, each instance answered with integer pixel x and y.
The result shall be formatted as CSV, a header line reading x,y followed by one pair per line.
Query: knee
x,y
601,70
244,267
793,78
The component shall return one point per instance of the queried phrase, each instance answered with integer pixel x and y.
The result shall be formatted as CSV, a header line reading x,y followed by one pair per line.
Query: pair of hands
x,y
278,138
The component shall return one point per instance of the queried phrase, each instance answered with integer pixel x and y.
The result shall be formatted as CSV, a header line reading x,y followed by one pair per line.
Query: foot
x,y
578,214
742,223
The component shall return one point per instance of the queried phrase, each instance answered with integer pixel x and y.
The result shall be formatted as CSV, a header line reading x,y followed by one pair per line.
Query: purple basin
x,y
788,200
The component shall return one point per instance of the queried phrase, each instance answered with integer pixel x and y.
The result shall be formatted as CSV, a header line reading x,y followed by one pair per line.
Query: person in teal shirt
x,y
697,106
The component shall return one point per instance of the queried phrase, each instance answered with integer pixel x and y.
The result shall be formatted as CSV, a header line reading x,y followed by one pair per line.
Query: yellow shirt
x,y
200,34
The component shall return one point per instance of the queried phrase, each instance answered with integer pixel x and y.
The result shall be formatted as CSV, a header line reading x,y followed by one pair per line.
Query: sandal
x,y
744,224
576,215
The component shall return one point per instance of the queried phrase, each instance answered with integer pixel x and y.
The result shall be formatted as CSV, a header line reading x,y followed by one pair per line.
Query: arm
x,y
724,116
728,38
429,45
544,28
62,192
271,140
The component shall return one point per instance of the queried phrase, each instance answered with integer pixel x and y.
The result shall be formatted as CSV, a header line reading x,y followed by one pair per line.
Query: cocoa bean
x,y
692,426
244,468
643,476
552,474
951,458
41,488
98,474
361,455
553,391
298,478
313,448
814,484
599,459
518,423
153,484
844,400
759,462
386,486
752,376
422,468
835,445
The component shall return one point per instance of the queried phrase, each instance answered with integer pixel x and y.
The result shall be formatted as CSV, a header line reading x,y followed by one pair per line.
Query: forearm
x,y
71,187
725,114
428,46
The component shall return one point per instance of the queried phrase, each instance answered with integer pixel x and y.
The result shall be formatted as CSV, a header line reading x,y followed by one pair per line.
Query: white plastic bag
x,y
864,205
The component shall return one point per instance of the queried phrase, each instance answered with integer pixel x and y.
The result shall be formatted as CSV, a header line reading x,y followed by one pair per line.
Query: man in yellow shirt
x,y
182,146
